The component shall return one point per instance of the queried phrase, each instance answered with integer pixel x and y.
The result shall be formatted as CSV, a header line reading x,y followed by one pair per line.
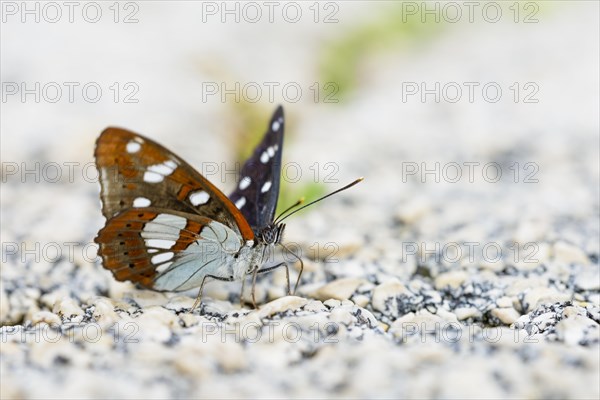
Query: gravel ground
x,y
418,283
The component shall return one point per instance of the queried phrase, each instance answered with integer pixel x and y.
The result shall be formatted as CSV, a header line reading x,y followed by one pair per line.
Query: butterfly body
x,y
169,229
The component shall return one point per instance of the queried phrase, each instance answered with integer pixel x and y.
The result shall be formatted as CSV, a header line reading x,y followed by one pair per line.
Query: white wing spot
x,y
161,258
171,164
265,187
199,197
264,157
133,147
240,203
245,182
152,177
141,202
160,243
170,220
165,168
163,227
271,151
275,126
163,267
276,147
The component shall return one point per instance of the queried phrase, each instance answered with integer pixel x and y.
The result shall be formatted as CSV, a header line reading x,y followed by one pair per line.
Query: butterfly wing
x,y
138,172
258,188
166,250
167,226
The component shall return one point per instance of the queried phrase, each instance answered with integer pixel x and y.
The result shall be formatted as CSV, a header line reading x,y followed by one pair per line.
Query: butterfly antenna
x,y
296,204
348,186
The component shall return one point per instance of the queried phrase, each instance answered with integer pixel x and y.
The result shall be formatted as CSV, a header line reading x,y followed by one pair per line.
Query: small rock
x,y
340,289
180,303
104,311
156,323
148,298
361,300
447,315
315,306
507,315
67,307
332,303
189,319
46,317
342,315
544,295
577,329
588,278
504,302
569,254
386,290
545,320
422,322
492,264
463,313
347,303
451,279
280,305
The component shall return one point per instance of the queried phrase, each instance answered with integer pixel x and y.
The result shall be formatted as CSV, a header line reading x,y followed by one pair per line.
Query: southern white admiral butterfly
x,y
169,229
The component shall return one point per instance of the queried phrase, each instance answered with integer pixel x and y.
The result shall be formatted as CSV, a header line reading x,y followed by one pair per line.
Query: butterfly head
x,y
272,233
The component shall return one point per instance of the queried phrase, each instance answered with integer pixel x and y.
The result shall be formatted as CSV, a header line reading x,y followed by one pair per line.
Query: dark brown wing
x,y
258,189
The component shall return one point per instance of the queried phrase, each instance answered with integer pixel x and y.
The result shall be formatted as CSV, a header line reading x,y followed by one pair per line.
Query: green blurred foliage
x,y
390,30
394,29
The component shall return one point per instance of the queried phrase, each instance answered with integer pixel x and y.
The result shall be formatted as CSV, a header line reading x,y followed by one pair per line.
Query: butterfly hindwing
x,y
136,172
258,188
165,249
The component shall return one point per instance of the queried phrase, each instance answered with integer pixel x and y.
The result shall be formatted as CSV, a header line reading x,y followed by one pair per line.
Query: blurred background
x,y
470,121
367,87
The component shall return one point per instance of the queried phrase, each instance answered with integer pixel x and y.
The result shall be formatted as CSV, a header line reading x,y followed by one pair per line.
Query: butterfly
x,y
169,229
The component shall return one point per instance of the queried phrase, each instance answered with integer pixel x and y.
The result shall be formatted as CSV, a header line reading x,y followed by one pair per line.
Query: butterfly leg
x,y
299,275
242,291
301,266
287,273
253,286
199,298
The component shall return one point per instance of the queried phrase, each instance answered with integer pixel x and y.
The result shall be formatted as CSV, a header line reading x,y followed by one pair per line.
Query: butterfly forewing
x,y
258,188
136,172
